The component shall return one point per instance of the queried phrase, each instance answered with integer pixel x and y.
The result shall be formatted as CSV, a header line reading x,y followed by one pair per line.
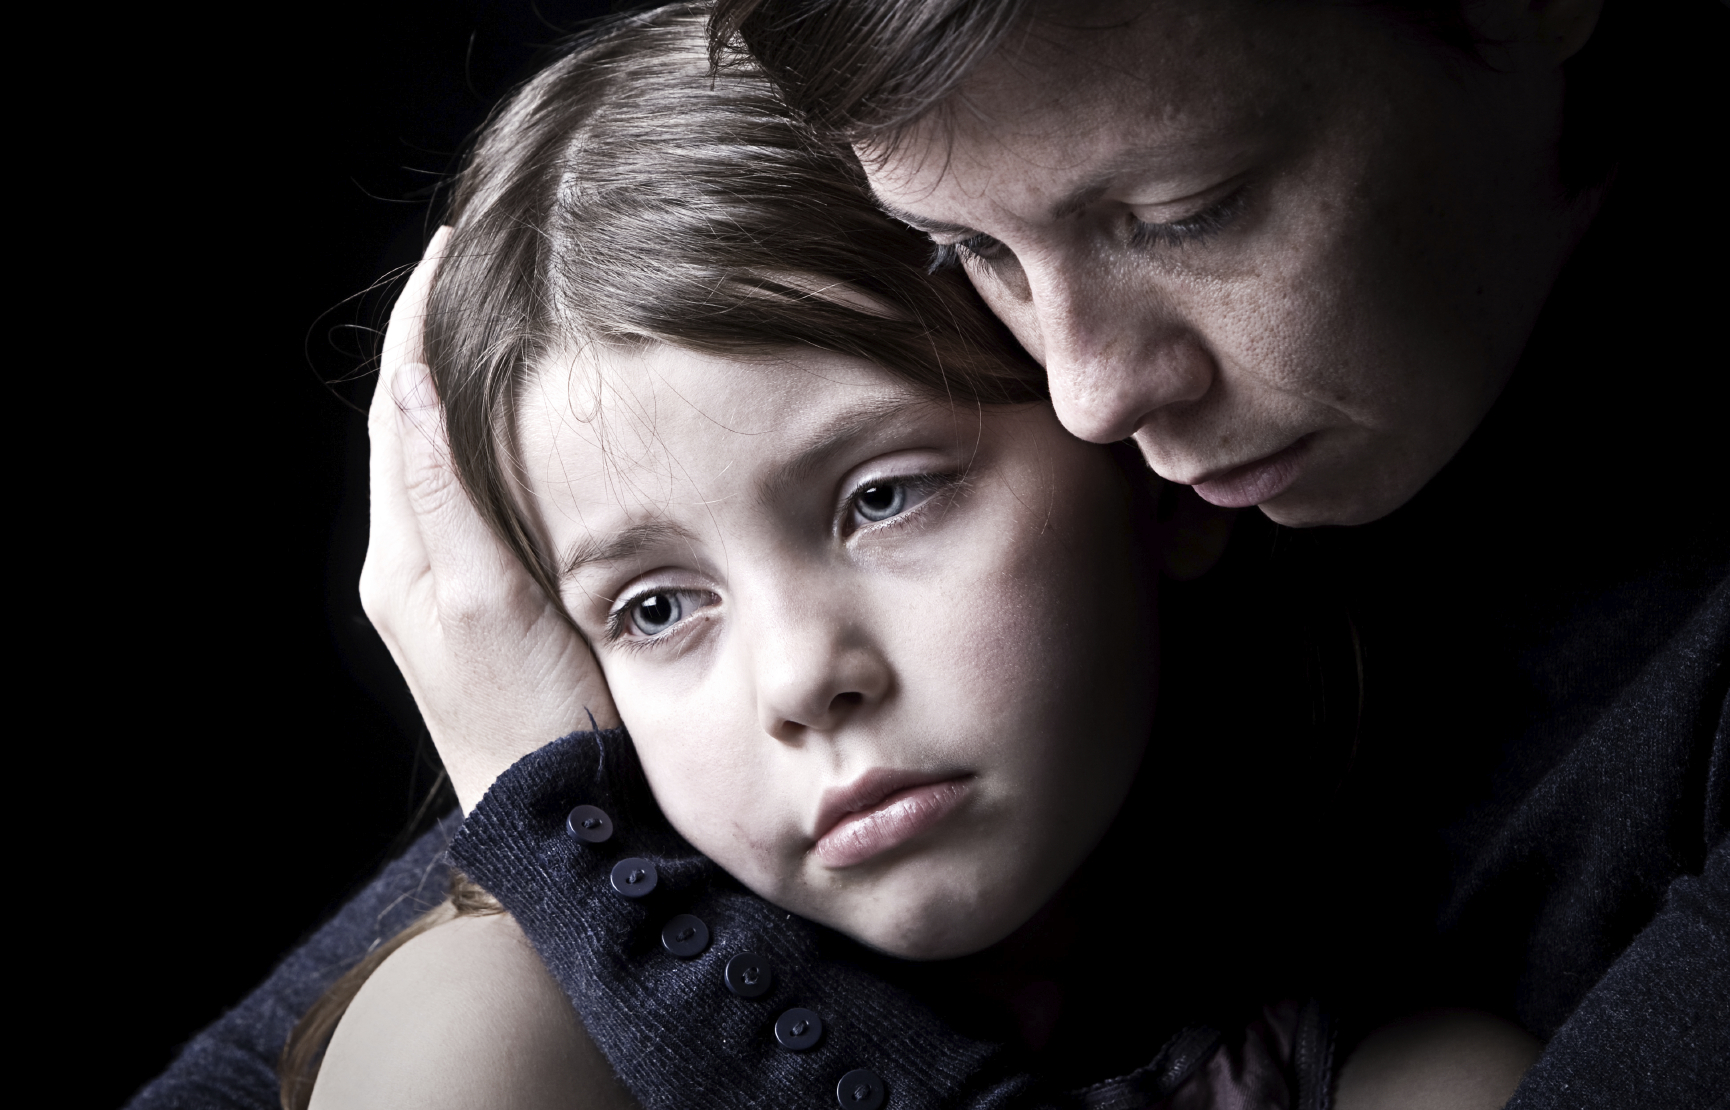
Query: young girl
x,y
880,630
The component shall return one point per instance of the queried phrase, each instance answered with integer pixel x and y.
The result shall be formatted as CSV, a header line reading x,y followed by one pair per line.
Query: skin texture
x,y
464,1017
1293,249
991,632
1445,1060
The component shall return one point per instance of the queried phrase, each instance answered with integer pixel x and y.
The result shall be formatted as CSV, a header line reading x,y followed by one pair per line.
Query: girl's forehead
x,y
646,421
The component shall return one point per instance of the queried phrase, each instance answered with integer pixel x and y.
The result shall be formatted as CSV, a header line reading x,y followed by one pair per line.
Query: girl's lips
x,y
896,815
1255,482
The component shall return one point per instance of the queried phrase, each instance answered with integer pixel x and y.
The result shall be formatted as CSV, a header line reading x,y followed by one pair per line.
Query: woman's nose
x,y
1114,355
813,675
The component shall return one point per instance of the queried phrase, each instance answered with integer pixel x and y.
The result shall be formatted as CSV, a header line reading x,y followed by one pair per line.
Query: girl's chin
x,y
941,920
934,937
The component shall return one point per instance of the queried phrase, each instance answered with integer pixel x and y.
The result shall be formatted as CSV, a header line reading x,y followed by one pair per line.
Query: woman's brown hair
x,y
865,70
628,193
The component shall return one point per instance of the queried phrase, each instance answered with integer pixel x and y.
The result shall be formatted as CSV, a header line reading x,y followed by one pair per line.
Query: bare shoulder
x,y
1442,1060
465,1016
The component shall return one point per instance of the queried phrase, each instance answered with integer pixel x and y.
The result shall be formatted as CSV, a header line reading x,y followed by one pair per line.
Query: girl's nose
x,y
813,679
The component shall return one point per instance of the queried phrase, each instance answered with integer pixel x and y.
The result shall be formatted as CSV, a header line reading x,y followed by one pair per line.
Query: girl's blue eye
x,y
881,500
655,613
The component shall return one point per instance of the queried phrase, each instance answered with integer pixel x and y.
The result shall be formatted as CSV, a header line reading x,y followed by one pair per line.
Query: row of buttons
x,y
747,974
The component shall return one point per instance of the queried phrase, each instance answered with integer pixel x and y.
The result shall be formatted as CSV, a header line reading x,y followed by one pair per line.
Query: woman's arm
x,y
464,1017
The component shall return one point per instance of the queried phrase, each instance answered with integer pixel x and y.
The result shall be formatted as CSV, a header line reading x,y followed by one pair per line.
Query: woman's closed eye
x,y
1191,229
980,247
983,248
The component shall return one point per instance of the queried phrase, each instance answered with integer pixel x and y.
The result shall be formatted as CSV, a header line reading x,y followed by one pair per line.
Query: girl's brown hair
x,y
630,194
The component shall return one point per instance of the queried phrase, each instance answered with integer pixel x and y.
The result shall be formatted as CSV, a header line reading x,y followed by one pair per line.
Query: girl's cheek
x,y
690,735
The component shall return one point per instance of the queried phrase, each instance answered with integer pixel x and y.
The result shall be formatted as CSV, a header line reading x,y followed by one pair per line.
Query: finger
x,y
402,338
481,587
395,555
472,568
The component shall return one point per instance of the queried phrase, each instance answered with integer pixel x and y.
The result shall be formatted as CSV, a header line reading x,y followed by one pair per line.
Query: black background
x,y
231,184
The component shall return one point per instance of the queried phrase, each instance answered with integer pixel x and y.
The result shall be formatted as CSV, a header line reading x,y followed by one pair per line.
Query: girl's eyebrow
x,y
836,434
621,545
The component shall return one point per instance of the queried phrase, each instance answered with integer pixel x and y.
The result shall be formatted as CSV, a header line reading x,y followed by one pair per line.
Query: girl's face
x,y
887,661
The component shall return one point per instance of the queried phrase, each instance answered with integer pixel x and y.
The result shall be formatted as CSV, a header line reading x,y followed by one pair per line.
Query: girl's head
x,y
877,625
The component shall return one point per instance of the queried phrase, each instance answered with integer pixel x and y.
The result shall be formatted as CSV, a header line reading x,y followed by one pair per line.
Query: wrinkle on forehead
x,y
1154,83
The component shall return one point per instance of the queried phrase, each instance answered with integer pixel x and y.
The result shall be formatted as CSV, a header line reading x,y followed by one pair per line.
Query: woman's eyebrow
x,y
919,223
1175,156
621,545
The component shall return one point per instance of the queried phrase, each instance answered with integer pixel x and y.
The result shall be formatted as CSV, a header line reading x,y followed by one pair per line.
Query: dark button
x,y
589,823
798,1029
859,1089
749,976
634,877
685,936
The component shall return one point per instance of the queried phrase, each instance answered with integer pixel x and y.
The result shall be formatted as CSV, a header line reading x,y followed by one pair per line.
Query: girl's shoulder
x,y
464,1016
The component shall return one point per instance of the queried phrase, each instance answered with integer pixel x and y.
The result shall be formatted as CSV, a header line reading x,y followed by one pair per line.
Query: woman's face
x,y
1293,249
885,660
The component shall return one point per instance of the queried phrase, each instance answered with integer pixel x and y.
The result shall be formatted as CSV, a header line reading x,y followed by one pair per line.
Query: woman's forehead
x,y
1166,83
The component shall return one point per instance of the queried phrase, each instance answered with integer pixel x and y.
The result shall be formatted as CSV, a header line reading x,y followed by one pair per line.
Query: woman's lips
x,y
1255,482
880,811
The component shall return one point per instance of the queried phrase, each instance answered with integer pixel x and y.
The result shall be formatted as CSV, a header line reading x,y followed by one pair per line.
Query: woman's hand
x,y
494,668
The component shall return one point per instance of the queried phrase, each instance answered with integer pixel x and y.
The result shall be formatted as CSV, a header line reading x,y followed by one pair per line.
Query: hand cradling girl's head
x,y
876,623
